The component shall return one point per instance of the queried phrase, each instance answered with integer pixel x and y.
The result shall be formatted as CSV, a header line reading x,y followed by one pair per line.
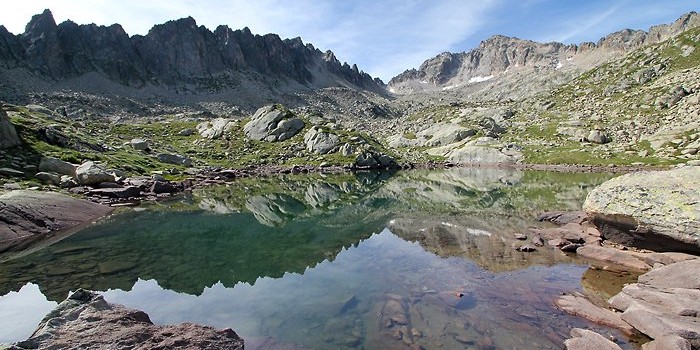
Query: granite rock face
x,y
86,321
655,210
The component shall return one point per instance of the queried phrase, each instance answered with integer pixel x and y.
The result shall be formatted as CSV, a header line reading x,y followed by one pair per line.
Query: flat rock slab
x,y
578,305
664,305
583,339
86,321
32,215
612,256
684,274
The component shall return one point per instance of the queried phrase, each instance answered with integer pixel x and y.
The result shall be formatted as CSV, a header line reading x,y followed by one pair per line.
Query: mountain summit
x,y
500,57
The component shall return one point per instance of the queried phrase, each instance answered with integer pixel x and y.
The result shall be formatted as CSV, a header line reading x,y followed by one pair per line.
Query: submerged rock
x,y
86,321
657,210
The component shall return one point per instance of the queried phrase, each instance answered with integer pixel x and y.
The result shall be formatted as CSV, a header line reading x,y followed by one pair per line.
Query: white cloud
x,y
583,24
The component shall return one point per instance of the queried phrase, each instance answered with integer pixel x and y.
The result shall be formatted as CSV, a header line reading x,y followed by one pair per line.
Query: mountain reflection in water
x,y
335,262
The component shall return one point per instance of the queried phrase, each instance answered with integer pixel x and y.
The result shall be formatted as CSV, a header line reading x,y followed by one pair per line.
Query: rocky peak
x,y
499,55
41,23
175,54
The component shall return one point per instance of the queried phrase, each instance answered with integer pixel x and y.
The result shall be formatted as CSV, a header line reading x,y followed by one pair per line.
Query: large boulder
x,y
273,123
86,321
319,141
55,165
8,134
658,210
598,136
91,174
214,129
174,159
139,144
28,216
374,160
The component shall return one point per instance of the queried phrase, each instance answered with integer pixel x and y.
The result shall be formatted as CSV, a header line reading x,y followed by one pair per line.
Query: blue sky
x,y
383,37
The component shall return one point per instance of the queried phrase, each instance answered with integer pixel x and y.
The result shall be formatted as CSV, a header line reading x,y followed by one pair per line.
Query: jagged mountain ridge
x,y
176,53
499,55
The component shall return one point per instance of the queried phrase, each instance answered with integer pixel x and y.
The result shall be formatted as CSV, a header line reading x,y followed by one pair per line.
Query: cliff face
x,y
499,55
174,53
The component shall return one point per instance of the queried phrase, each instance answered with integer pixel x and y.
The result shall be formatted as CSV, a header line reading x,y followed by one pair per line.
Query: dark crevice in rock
x,y
624,230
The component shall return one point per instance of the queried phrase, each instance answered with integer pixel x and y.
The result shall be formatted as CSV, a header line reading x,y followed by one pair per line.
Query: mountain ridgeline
x,y
500,54
176,53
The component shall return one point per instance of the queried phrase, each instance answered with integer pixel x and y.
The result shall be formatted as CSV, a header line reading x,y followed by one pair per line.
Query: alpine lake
x,y
421,258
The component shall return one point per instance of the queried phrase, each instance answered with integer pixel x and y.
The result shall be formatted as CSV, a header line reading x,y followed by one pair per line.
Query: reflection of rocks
x,y
320,194
274,209
277,200
86,321
492,250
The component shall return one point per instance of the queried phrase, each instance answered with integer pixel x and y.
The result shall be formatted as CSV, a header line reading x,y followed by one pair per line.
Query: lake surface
x,y
367,261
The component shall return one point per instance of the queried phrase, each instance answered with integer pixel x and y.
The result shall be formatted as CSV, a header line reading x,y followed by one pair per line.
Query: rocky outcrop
x,y
8,134
174,53
29,216
664,305
655,210
273,123
86,321
320,142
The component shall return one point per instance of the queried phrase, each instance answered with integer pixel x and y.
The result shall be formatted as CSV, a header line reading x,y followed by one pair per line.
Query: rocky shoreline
x,y
580,233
